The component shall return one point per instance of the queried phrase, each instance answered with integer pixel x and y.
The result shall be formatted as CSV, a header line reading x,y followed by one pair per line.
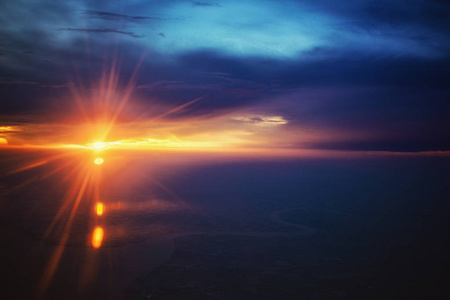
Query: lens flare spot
x,y
97,237
98,161
99,209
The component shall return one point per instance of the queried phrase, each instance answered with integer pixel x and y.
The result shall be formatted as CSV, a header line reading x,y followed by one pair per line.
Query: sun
x,y
98,161
99,145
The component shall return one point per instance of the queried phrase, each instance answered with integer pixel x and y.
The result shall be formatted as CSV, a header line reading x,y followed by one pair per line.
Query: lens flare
x,y
97,237
98,161
99,209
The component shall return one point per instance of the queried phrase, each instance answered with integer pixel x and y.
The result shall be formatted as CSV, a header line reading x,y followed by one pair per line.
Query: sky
x,y
327,75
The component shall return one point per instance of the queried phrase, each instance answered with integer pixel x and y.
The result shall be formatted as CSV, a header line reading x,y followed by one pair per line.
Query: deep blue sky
x,y
361,75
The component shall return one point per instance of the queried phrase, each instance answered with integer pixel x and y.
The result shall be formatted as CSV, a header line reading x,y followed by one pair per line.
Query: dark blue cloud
x,y
119,17
207,4
104,30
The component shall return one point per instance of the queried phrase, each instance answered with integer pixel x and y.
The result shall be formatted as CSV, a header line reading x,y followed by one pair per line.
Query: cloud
x,y
163,85
55,86
4,129
19,81
104,30
259,120
206,4
119,17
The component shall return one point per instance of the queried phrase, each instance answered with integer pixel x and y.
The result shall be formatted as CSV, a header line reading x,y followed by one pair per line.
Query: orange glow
x,y
99,209
97,237
98,161
3,141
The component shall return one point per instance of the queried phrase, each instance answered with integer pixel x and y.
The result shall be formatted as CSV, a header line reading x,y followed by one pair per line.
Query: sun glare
x,y
98,161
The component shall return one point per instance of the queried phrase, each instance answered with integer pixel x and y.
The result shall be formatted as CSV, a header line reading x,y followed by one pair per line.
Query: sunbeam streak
x,y
30,166
54,261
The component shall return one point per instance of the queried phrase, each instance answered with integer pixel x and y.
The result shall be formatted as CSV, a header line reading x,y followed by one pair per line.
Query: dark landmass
x,y
374,228
346,259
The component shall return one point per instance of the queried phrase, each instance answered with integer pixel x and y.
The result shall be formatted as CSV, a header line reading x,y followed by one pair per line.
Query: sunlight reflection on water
x,y
97,237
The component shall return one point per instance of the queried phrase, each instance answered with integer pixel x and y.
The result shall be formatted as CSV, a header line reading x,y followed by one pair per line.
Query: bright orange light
x,y
97,237
3,141
98,161
99,145
99,209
